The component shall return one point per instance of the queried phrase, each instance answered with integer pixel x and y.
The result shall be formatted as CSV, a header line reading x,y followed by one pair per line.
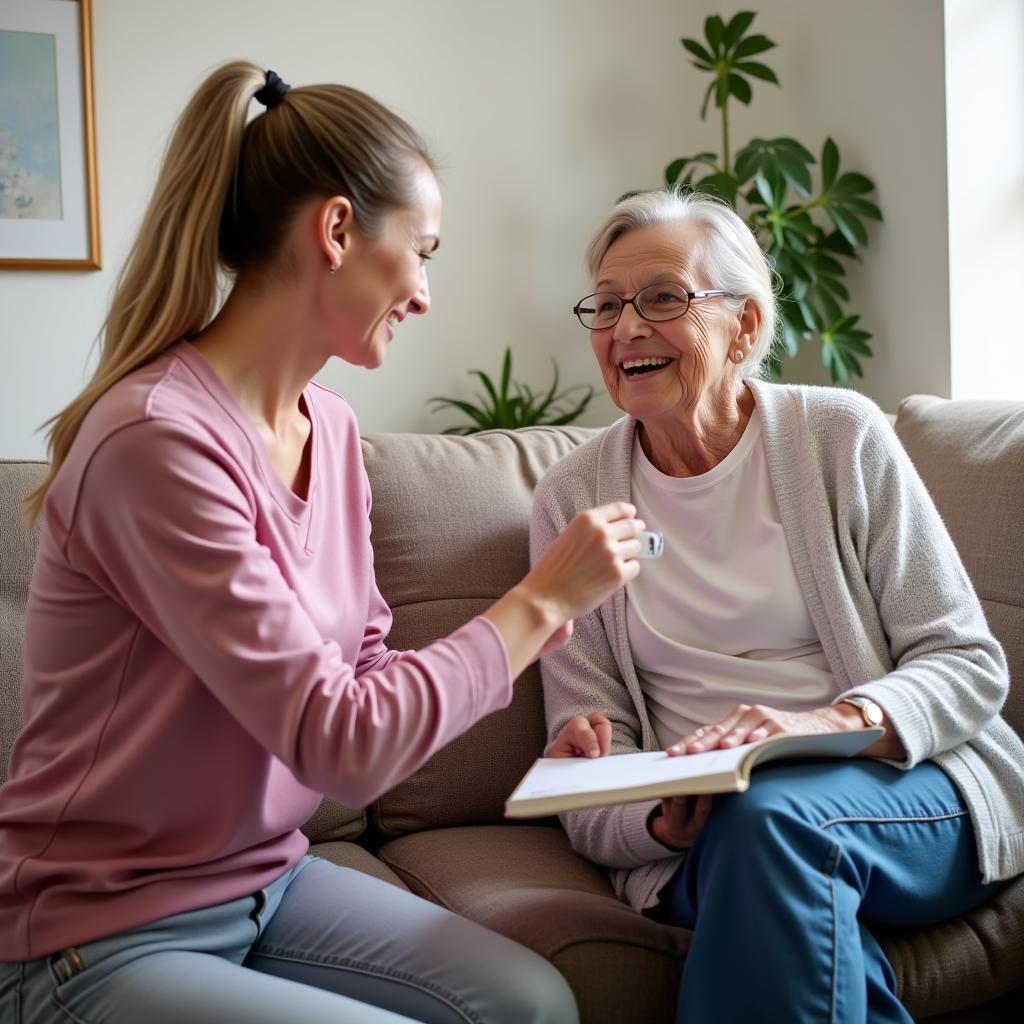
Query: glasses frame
x,y
707,293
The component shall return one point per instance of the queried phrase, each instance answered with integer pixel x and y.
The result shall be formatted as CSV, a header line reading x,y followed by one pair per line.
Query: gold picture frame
x,y
49,202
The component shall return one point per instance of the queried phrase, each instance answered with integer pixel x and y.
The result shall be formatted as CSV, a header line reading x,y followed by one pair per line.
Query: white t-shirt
x,y
719,619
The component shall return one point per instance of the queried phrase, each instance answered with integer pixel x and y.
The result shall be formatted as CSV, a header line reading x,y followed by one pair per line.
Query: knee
x,y
530,991
768,816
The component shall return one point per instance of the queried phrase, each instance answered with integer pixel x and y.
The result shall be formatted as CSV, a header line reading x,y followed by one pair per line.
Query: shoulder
x,y
825,419
574,479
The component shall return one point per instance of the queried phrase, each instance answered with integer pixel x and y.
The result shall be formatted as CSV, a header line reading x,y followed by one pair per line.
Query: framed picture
x,y
49,212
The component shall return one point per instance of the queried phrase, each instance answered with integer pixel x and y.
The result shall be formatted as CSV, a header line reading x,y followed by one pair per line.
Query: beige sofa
x,y
450,523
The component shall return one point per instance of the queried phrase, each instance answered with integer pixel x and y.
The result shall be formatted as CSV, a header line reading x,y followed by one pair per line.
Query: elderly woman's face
x,y
664,368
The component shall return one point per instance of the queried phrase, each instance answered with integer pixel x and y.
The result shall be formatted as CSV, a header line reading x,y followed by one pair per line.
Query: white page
x,y
563,776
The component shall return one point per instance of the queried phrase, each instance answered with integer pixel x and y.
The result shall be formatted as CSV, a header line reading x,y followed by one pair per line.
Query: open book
x,y
556,784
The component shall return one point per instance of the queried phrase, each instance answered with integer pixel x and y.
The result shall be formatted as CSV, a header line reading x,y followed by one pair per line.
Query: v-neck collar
x,y
295,507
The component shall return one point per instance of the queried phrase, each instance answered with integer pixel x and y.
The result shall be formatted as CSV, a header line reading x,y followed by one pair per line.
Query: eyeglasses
x,y
656,302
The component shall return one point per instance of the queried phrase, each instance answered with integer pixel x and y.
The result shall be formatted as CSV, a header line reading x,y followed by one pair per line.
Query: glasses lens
x,y
599,311
662,301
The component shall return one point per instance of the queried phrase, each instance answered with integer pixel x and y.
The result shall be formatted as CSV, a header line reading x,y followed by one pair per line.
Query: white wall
x,y
514,98
985,102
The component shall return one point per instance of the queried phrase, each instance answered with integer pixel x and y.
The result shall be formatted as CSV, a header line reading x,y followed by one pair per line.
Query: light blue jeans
x,y
322,945
784,880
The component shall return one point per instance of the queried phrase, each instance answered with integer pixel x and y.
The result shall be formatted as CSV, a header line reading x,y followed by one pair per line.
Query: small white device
x,y
652,544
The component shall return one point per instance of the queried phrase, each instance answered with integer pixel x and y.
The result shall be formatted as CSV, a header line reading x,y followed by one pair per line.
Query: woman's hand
x,y
583,736
588,561
747,723
679,819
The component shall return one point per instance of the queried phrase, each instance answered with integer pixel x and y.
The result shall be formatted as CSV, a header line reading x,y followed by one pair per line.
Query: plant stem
x,y
725,137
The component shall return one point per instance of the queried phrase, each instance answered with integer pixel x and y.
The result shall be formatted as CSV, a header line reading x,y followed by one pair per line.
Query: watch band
x,y
871,713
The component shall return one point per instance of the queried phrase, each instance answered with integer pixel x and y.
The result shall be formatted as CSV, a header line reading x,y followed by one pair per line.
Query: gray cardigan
x,y
892,604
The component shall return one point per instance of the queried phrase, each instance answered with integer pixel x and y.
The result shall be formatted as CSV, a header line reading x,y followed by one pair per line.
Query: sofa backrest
x,y
17,553
970,455
450,524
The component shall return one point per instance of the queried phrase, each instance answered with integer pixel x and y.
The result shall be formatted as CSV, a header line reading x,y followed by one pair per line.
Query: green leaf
x,y
489,387
714,29
722,90
863,207
506,372
829,306
700,53
481,418
740,88
795,172
829,164
720,184
746,164
764,190
751,46
794,149
851,183
737,26
849,225
757,70
834,286
674,169
707,96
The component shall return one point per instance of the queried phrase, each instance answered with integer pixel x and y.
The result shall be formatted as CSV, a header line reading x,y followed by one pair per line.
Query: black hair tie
x,y
273,91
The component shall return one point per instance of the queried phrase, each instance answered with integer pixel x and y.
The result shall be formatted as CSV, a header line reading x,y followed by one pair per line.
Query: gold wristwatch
x,y
872,714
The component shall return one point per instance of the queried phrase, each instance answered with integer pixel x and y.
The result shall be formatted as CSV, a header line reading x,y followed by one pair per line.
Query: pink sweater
x,y
204,658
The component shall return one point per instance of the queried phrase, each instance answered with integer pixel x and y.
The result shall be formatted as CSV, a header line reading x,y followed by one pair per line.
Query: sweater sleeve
x,y
578,679
164,522
950,676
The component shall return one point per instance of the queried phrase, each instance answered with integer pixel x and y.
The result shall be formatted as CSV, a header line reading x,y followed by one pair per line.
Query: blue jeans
x,y
784,879
321,945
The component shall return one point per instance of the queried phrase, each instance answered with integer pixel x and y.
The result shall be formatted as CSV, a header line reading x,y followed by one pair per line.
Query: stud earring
x,y
332,269
738,355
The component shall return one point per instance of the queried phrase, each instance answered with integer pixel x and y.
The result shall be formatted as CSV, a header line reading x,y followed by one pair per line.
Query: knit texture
x,y
893,606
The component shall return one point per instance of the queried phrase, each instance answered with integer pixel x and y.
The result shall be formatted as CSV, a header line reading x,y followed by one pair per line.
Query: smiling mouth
x,y
641,367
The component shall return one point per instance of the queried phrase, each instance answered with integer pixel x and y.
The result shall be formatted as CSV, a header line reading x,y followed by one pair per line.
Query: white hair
x,y
731,258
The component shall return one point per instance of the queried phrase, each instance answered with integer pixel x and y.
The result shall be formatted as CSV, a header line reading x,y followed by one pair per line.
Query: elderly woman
x,y
807,585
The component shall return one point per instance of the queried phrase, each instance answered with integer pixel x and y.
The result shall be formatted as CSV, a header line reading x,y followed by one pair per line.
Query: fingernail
x,y
676,748
593,751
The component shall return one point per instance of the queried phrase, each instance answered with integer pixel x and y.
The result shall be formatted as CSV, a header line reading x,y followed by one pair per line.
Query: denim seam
x,y
66,1010
835,949
868,820
294,956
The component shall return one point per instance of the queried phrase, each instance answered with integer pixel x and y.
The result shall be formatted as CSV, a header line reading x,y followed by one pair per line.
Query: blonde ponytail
x,y
224,199
168,286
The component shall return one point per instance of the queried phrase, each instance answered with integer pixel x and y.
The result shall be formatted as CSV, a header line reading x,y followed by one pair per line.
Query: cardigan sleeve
x,y
580,678
949,677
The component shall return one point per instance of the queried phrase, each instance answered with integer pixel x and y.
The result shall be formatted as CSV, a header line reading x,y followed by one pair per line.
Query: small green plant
x,y
511,404
807,235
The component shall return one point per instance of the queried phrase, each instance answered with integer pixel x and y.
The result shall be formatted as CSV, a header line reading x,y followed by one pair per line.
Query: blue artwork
x,y
30,186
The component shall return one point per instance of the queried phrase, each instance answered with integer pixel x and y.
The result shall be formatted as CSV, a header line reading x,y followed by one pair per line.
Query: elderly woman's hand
x,y
747,723
583,736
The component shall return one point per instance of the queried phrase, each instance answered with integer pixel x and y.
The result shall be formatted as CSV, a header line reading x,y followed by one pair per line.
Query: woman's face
x,y
383,278
689,356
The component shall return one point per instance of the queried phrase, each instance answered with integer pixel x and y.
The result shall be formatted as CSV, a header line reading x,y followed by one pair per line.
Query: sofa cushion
x,y
970,455
17,554
960,963
351,855
526,882
450,534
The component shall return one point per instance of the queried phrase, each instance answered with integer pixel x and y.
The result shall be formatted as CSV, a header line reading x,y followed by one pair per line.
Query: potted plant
x,y
808,231
510,404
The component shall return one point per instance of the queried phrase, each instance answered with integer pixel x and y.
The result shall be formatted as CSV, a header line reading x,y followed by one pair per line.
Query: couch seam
x,y
405,874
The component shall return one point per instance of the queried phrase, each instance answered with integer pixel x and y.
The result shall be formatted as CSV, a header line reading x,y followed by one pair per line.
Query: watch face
x,y
873,713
